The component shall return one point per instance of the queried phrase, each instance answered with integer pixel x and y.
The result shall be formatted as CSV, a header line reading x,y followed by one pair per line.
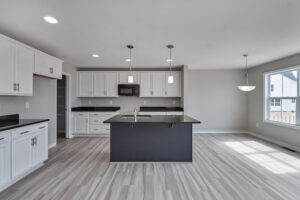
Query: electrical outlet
x,y
257,124
27,105
110,102
90,102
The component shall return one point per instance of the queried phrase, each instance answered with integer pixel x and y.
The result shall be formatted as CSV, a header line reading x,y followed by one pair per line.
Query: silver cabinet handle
x,y
95,129
32,141
24,132
18,84
42,127
15,86
1,138
51,70
35,141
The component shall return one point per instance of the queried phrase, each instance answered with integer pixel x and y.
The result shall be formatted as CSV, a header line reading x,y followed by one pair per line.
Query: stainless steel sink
x,y
138,116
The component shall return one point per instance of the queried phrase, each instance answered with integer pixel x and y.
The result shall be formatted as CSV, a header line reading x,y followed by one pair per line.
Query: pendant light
x,y
130,76
247,87
170,77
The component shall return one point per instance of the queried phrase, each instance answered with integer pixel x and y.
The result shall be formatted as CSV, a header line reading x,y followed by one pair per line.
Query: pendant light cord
x,y
247,81
130,61
170,61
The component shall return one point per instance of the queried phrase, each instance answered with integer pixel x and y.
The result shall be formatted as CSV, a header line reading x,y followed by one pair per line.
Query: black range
x,y
12,121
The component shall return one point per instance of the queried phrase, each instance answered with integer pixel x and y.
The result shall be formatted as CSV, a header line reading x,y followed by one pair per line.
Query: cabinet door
x,y
55,67
24,70
146,84
99,84
6,67
41,64
123,77
111,84
81,125
5,168
21,155
173,89
159,84
40,148
85,84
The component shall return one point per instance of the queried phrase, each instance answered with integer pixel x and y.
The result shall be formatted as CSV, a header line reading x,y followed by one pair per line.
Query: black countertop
x,y
12,121
160,109
95,109
154,119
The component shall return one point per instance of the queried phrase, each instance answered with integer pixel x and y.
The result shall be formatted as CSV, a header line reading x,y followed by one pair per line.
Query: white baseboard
x,y
51,145
219,131
280,143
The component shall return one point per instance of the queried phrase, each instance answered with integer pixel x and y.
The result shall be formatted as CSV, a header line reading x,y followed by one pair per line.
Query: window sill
x,y
282,124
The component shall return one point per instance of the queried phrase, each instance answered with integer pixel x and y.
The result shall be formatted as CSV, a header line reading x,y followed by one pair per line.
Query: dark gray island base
x,y
151,139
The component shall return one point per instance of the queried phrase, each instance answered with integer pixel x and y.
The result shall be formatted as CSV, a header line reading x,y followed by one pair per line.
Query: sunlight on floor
x,y
269,158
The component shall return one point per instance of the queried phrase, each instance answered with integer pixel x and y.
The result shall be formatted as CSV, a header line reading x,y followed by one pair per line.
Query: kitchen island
x,y
146,138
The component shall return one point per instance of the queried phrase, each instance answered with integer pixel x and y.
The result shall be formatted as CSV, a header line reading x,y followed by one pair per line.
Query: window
x,y
282,101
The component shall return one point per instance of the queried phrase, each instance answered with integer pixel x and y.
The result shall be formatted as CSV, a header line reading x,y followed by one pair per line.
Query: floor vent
x,y
288,149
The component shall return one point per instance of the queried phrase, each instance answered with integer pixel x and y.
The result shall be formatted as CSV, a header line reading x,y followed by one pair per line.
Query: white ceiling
x,y
207,34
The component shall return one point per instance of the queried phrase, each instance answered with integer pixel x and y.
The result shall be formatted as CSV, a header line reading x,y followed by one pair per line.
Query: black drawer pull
x,y
42,127
1,138
24,132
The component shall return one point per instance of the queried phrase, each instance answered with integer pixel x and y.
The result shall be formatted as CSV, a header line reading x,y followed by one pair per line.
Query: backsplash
x,y
128,104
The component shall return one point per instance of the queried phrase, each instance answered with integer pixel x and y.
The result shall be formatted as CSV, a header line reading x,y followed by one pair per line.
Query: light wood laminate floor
x,y
224,167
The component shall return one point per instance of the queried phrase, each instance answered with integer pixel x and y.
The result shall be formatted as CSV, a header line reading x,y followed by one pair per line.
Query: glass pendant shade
x,y
130,79
246,88
170,79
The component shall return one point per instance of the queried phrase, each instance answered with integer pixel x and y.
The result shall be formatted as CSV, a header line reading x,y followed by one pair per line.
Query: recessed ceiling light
x,y
169,60
95,55
128,60
50,20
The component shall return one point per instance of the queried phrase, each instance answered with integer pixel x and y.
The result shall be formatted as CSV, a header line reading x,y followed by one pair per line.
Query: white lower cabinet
x,y
5,164
21,151
91,123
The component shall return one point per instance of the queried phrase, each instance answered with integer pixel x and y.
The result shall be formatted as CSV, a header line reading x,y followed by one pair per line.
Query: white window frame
x,y
266,96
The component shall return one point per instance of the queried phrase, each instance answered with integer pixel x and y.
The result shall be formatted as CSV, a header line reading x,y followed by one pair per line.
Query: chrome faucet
x,y
135,113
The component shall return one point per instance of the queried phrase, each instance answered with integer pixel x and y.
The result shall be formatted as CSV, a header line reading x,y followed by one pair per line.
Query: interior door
x,y
85,81
159,84
21,155
6,67
111,84
173,89
146,84
24,70
99,84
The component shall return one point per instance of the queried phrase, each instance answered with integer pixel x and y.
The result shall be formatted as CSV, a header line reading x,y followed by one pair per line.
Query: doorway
x,y
61,107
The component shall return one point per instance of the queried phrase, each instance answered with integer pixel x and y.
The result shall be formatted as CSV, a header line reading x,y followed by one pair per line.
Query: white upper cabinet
x,y
24,70
158,84
46,65
7,70
111,84
85,84
16,68
155,84
123,77
173,89
146,84
97,84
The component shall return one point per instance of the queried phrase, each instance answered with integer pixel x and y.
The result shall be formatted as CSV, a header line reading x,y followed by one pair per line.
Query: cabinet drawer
x,y
101,114
81,114
4,137
97,120
98,129
27,130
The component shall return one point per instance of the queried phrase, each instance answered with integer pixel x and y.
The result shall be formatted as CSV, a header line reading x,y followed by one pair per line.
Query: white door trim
x,y
68,105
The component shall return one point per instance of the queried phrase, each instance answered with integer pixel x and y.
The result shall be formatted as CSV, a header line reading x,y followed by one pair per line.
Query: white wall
x,y
212,97
42,104
255,104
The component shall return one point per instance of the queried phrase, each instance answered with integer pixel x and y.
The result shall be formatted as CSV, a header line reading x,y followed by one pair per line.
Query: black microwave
x,y
129,90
